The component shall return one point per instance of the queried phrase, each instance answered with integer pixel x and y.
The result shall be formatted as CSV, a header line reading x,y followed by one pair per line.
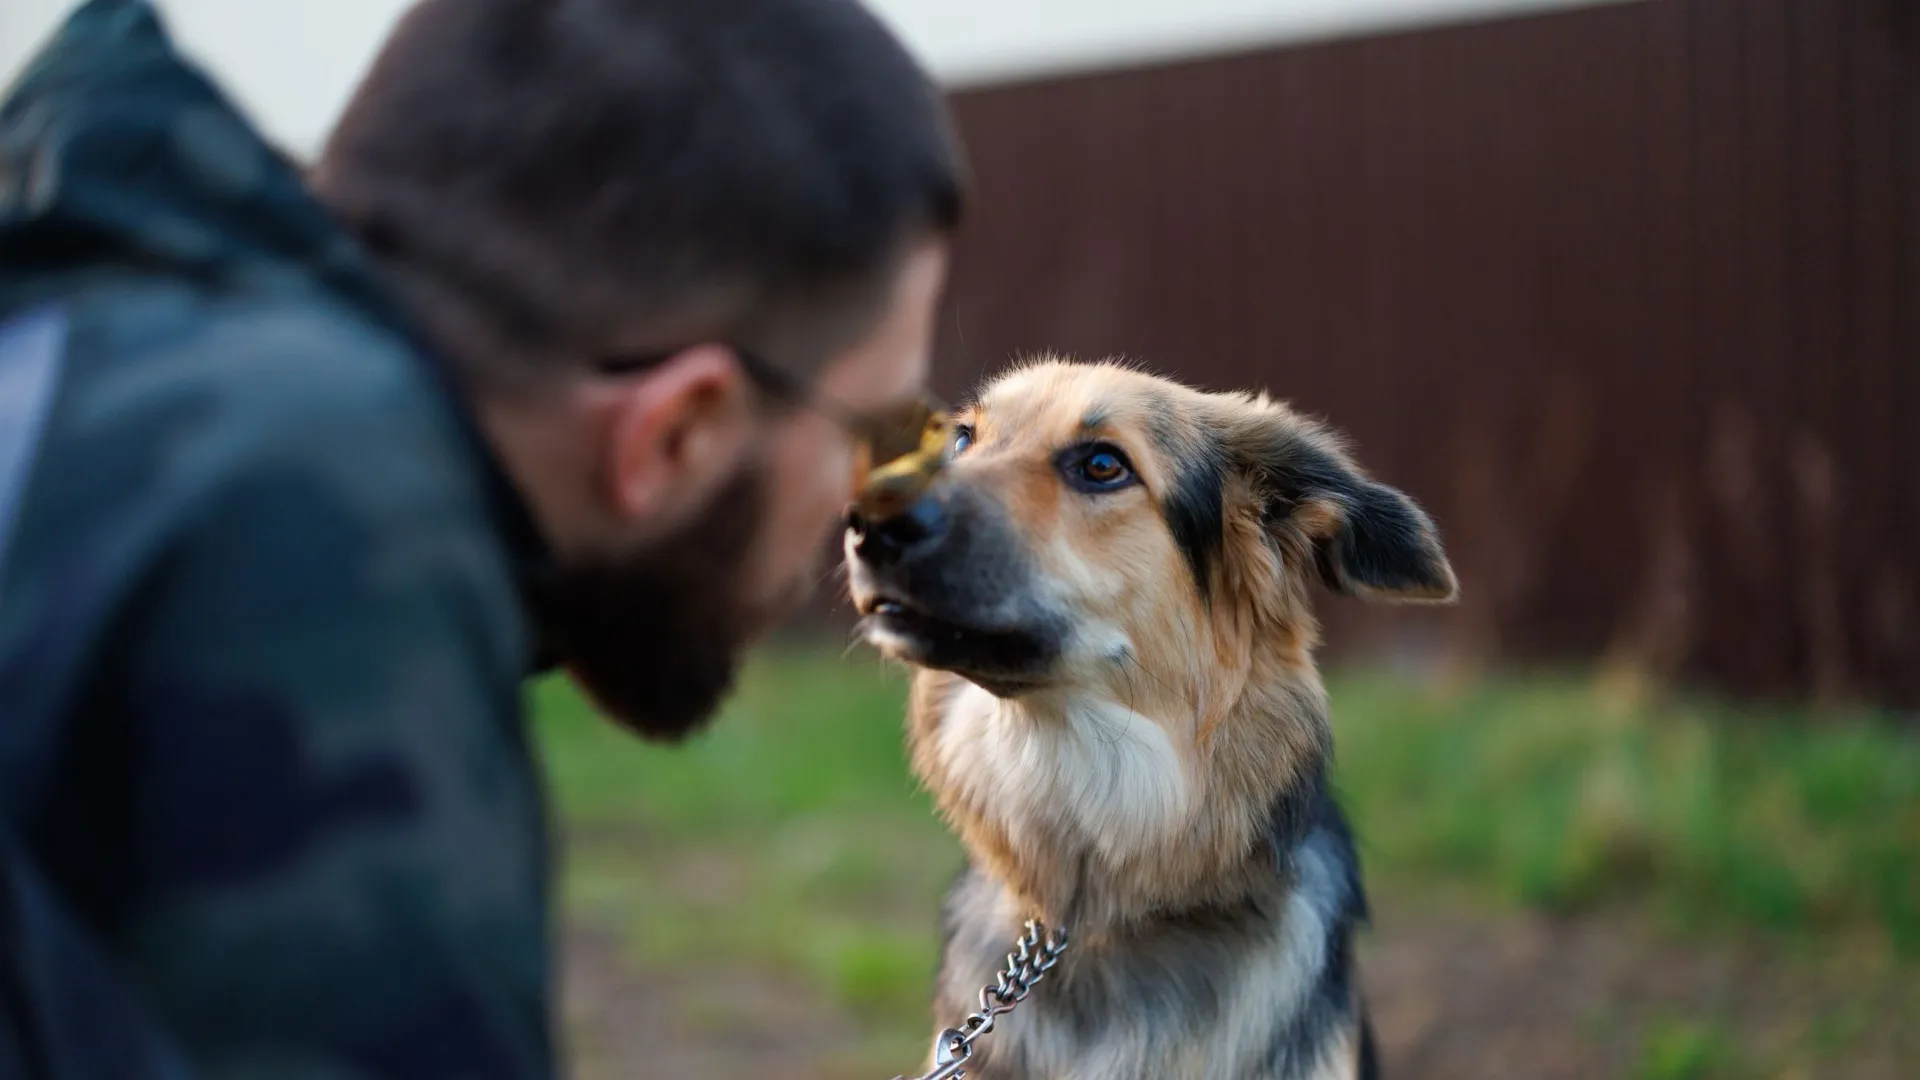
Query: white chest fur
x,y
1091,768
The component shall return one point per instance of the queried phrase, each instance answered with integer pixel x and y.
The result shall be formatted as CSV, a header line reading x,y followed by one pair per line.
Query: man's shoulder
x,y
167,394
269,371
279,423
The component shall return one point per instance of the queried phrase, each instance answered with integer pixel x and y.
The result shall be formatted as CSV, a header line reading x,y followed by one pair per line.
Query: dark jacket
x,y
267,807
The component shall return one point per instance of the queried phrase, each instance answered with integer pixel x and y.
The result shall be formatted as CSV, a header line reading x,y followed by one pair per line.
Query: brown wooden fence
x,y
1627,296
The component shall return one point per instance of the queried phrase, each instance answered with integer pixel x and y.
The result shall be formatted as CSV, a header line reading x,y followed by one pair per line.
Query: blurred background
x,y
1627,293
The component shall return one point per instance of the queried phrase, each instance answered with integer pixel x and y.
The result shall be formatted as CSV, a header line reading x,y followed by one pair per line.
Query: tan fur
x,y
1198,705
1250,657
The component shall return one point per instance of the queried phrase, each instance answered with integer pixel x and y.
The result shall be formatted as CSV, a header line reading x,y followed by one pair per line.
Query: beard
x,y
654,638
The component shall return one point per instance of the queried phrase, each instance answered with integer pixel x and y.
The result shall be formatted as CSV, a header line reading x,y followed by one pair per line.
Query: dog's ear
x,y
1386,549
1364,538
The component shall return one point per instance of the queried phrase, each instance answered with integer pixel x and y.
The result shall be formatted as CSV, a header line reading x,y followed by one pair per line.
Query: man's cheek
x,y
820,493
782,574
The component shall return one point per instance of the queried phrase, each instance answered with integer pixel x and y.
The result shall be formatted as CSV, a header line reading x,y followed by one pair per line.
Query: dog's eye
x,y
962,438
1103,468
1096,468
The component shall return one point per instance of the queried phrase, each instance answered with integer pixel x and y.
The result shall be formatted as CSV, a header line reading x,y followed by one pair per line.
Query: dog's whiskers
x,y
1131,661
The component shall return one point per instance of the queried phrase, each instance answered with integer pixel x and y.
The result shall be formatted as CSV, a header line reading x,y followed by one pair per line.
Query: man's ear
x,y
1366,539
677,430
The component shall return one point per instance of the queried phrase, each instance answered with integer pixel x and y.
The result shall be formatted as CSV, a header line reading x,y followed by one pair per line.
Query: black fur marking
x,y
1311,816
1294,813
948,597
1194,502
1292,468
1369,1055
1388,544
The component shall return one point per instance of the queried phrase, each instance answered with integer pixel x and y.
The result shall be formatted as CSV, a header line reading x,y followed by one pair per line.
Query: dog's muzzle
x,y
946,583
904,537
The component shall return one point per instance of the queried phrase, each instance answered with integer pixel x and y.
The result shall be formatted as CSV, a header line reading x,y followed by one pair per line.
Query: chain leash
x,y
1034,954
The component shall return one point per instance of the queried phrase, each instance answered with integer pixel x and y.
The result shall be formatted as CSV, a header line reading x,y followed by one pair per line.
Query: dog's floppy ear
x,y
1387,549
1365,539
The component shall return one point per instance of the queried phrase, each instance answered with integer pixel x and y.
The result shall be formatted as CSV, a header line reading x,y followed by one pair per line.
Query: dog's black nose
x,y
891,540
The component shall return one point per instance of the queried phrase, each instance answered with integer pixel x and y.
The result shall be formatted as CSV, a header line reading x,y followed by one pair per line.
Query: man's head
x,y
682,252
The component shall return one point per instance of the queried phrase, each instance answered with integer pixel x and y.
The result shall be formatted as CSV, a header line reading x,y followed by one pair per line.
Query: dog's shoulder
x,y
1315,854
1313,846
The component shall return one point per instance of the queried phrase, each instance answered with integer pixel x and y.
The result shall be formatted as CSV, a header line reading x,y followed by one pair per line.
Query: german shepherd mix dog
x,y
1107,596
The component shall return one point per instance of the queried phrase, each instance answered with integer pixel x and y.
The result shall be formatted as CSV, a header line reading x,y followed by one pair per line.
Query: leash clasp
x,y
951,1051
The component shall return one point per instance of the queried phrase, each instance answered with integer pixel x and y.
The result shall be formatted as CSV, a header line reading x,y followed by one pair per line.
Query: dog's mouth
x,y
1005,661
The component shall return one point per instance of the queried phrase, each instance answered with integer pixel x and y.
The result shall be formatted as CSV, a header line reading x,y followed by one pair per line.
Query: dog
x,y
1106,599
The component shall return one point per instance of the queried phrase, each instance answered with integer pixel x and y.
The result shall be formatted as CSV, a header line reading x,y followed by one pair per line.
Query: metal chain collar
x,y
1029,961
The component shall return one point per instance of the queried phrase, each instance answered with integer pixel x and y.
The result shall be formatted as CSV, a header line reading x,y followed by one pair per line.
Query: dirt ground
x,y
1456,996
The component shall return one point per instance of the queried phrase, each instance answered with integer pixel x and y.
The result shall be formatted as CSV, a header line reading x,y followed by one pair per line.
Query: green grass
x,y
790,837
1547,793
1685,1050
1537,789
805,734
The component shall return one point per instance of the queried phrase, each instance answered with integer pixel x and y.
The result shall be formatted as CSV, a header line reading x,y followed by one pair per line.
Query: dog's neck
x,y
1103,817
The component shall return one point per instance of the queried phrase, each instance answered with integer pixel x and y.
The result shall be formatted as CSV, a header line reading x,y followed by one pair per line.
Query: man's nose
x,y
900,537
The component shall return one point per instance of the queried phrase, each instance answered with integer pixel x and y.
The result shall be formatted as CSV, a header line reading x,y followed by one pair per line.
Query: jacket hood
x,y
116,151
115,146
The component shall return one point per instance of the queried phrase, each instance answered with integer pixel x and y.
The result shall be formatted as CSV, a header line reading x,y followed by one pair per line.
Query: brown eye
x,y
1096,469
1103,468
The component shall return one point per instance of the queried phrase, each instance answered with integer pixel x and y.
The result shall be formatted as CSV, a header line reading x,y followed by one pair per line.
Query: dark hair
x,y
741,169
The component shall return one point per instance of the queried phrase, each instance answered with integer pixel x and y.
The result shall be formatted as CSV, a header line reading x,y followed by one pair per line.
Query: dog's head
x,y
1103,530
1108,594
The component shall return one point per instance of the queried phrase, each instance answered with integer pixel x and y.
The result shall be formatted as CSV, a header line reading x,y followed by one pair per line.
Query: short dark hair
x,y
750,169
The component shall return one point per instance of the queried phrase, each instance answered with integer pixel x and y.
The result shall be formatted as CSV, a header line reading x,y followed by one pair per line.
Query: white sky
x,y
292,62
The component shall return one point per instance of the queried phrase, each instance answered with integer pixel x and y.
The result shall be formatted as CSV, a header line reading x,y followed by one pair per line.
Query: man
x,y
609,305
